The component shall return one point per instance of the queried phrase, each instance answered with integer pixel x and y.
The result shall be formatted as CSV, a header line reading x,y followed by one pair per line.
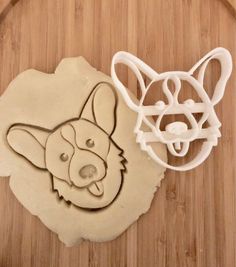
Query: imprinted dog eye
x,y
64,157
90,143
189,103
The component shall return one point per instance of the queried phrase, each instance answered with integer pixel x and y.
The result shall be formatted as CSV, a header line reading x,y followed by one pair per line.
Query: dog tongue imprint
x,y
96,189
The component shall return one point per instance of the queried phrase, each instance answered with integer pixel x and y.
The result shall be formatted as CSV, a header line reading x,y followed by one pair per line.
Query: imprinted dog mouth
x,y
96,188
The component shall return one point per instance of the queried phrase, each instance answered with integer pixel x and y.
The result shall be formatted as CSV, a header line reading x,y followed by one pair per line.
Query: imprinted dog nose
x,y
177,127
88,171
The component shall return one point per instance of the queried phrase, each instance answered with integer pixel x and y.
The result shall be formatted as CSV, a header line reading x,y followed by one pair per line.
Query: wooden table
x,y
192,219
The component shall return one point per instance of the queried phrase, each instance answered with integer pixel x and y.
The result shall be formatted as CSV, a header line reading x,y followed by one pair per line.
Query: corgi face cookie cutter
x,y
177,135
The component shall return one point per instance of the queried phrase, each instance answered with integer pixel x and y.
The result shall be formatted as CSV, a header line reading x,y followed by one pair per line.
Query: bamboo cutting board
x,y
192,219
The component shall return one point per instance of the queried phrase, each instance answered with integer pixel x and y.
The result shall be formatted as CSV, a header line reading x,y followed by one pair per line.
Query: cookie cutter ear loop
x,y
137,66
174,107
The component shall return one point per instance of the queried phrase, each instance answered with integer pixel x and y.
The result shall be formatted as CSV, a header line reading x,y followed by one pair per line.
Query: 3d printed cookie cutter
x,y
176,136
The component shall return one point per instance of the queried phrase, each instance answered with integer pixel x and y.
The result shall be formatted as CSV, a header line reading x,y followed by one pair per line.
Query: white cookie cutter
x,y
177,136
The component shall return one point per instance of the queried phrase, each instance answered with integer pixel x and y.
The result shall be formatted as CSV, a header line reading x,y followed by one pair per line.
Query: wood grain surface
x,y
192,219
231,5
5,7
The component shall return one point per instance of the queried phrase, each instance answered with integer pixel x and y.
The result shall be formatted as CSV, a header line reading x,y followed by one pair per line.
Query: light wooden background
x,y
192,219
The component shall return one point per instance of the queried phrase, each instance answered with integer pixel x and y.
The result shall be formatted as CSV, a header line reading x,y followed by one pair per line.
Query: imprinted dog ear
x,y
29,142
104,107
225,60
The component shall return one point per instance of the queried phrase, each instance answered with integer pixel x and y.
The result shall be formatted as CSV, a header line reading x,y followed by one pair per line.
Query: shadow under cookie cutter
x,y
177,136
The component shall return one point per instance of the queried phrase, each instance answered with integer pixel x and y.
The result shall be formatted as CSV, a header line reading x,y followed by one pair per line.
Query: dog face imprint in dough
x,y
68,150
77,152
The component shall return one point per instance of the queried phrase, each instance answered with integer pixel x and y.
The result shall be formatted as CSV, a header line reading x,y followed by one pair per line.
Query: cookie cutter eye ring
x,y
206,107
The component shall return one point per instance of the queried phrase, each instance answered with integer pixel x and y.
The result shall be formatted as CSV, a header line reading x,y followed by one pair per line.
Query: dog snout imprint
x,y
88,171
